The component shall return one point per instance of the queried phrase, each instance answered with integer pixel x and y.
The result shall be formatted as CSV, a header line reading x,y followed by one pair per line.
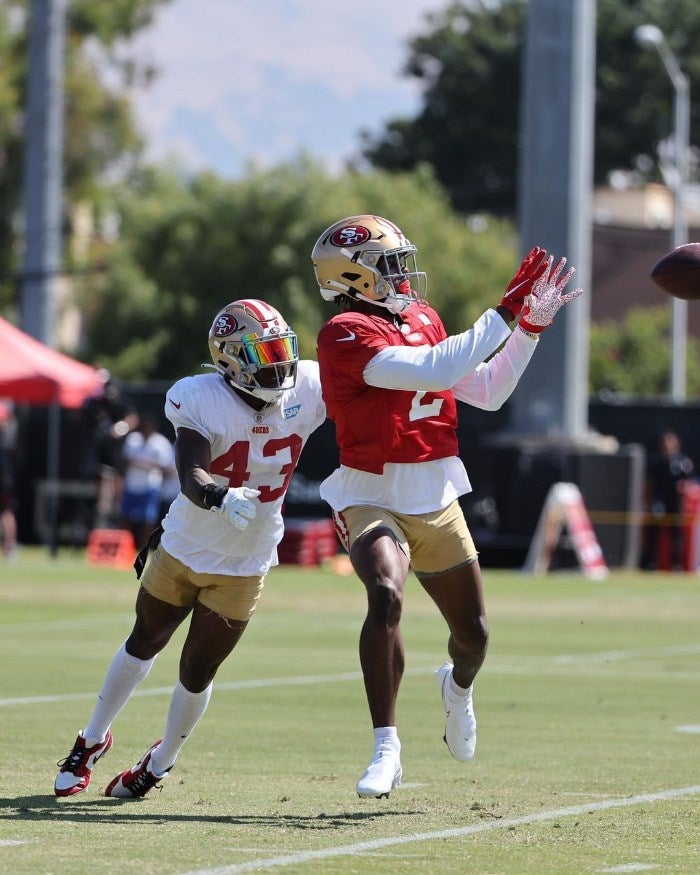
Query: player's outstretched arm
x,y
459,357
491,384
436,368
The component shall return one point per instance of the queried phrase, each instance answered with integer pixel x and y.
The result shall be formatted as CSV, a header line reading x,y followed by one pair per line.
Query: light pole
x,y
650,36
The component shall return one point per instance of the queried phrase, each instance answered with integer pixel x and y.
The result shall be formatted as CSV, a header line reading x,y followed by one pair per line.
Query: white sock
x,y
456,690
186,710
124,674
386,736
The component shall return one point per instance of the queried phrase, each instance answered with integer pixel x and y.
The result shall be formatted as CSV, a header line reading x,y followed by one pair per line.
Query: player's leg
x,y
382,566
210,640
447,567
219,618
164,600
155,623
379,556
458,595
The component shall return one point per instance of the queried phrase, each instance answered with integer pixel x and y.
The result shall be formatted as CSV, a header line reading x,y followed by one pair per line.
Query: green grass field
x,y
588,757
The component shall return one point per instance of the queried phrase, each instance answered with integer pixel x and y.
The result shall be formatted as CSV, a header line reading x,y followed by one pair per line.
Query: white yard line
x,y
507,823
631,867
613,655
551,665
606,656
583,670
89,622
231,685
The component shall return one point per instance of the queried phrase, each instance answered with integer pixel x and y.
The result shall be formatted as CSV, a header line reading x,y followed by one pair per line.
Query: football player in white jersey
x,y
239,434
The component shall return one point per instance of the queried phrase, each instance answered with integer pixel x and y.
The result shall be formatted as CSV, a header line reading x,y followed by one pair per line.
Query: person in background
x,y
108,416
667,472
147,455
8,500
239,434
170,486
390,376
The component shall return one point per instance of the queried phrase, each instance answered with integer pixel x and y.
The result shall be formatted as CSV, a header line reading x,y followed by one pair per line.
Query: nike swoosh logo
x,y
176,404
351,336
515,288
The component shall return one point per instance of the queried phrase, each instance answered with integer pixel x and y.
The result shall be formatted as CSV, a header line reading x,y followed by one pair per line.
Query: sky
x,y
262,81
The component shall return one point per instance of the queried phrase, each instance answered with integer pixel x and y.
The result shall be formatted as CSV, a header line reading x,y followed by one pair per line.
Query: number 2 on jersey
x,y
421,409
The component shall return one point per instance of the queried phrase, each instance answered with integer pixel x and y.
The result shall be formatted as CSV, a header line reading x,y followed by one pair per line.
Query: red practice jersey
x,y
374,425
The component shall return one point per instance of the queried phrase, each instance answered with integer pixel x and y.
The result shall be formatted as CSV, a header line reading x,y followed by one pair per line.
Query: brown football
x,y
678,272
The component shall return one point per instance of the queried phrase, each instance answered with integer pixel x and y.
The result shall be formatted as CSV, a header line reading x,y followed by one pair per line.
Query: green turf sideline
x,y
363,847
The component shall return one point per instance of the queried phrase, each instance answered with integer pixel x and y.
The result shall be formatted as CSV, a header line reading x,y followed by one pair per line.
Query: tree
x,y
189,246
469,66
633,356
100,132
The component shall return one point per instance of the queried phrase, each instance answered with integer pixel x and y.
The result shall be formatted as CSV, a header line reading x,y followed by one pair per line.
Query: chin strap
x,y
392,304
269,402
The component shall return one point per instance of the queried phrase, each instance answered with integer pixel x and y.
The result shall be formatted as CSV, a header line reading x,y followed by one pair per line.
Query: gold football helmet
x,y
252,346
368,258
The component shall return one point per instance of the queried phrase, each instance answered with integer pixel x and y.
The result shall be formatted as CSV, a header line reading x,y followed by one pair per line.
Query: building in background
x,y
631,231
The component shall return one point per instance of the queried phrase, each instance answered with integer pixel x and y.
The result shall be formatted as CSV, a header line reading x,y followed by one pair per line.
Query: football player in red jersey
x,y
390,376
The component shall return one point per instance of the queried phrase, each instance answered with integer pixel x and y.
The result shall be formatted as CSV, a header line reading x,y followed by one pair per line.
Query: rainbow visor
x,y
269,350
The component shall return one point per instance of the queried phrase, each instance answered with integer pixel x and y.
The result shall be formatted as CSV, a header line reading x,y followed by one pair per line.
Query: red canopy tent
x,y
33,373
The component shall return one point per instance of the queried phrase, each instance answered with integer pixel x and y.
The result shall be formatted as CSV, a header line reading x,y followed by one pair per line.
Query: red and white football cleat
x,y
76,768
136,781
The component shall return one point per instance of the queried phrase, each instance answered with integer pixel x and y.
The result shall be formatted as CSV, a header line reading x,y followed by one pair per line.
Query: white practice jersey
x,y
258,450
146,459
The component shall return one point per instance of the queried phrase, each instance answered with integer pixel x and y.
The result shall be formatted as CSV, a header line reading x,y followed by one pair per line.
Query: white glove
x,y
236,508
546,298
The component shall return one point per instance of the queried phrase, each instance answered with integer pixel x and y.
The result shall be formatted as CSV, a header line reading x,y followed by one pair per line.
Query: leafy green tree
x,y
100,131
633,356
189,246
468,64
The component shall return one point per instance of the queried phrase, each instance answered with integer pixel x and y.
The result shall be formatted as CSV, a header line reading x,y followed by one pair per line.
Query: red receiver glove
x,y
546,298
531,269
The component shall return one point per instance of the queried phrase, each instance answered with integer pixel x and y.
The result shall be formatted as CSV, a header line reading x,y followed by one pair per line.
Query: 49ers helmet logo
x,y
225,325
350,235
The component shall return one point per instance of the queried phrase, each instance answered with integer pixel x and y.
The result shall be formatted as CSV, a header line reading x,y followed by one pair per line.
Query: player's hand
x,y
237,508
546,298
531,269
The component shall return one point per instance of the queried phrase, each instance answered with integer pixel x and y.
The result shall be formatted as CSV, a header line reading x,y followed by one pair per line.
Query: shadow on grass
x,y
112,811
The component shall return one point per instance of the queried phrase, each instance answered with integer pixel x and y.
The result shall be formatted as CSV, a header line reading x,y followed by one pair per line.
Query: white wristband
x,y
530,334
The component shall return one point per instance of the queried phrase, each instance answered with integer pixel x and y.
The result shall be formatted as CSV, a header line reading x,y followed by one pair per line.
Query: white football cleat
x,y
460,725
382,775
